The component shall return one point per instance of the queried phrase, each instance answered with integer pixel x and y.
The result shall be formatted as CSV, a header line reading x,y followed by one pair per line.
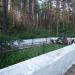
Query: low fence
x,y
22,44
32,42
53,63
37,41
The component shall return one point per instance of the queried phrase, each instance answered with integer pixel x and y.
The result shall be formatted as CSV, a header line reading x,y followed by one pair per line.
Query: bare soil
x,y
71,71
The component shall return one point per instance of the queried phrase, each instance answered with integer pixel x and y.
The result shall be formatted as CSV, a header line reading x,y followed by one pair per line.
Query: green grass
x,y
24,35
15,35
10,58
28,35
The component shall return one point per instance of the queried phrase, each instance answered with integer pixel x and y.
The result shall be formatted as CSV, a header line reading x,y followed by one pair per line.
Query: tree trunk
x,y
5,16
57,15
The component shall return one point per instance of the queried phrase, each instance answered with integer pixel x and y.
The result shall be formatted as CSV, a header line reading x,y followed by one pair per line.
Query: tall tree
x,y
51,14
33,15
5,16
57,14
63,7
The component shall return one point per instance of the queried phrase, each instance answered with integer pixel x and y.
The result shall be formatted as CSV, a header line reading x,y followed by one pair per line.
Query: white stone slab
x,y
52,63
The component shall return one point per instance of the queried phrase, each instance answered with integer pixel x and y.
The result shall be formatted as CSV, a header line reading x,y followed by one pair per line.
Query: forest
x,y
20,19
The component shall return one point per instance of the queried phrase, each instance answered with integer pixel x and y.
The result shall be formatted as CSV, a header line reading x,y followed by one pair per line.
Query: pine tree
x,y
5,16
57,15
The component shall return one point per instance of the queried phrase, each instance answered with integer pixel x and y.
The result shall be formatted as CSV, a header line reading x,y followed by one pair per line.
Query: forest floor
x,y
71,71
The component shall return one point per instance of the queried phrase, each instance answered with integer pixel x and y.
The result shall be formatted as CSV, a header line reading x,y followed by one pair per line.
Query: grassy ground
x,y
11,58
24,35
28,35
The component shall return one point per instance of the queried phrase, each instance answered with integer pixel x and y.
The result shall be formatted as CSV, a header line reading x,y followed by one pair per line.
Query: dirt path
x,y
71,71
